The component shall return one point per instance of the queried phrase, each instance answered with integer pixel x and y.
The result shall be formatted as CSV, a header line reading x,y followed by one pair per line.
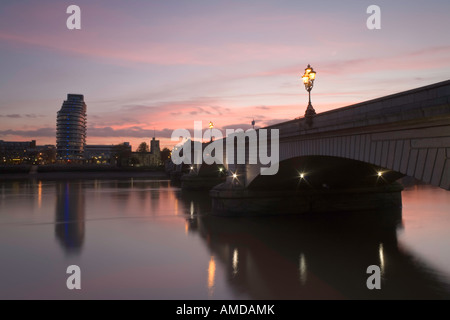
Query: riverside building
x,y
71,129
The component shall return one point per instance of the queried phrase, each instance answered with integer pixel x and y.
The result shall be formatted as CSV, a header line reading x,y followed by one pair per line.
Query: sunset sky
x,y
162,65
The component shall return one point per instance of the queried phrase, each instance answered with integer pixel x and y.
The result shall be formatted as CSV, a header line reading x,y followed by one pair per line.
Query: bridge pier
x,y
232,199
193,182
203,178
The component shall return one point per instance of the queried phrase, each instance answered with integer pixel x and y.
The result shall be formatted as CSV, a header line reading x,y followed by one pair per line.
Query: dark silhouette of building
x,y
71,128
147,159
105,153
16,151
154,147
45,154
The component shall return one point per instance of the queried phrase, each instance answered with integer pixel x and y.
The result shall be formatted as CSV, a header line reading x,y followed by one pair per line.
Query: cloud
x,y
243,126
200,110
157,114
428,58
275,121
138,107
135,132
104,132
41,132
123,121
18,116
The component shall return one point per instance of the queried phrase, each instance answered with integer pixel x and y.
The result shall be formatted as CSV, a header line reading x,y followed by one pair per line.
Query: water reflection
x,y
142,231
39,194
235,262
302,269
211,276
69,216
314,256
381,254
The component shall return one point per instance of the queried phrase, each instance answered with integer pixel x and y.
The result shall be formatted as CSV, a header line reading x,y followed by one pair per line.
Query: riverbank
x,y
60,172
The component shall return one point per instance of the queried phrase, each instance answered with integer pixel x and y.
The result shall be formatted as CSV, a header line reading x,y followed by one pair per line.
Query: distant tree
x,y
165,154
143,147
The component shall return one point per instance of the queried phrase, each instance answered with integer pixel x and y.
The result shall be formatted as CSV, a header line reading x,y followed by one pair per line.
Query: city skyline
x,y
145,66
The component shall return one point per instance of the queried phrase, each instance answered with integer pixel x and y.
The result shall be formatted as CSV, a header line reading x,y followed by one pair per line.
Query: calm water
x,y
146,239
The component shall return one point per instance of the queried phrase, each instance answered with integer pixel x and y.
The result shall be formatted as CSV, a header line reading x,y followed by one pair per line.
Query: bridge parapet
x,y
432,102
407,132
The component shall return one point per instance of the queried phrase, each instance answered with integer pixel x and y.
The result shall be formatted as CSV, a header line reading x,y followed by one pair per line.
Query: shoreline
x,y
73,175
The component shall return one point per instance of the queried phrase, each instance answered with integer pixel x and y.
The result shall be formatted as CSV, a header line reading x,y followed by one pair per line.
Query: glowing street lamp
x,y
211,126
308,81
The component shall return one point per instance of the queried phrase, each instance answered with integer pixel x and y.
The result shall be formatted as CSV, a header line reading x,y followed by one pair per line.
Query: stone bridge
x,y
364,146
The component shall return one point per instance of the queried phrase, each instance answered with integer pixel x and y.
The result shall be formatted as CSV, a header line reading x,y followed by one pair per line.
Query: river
x,y
146,239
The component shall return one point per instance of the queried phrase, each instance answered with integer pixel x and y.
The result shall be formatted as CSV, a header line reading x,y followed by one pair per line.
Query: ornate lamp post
x,y
211,126
308,81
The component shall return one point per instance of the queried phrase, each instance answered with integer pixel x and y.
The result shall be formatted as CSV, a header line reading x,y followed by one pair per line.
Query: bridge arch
x,y
420,153
324,172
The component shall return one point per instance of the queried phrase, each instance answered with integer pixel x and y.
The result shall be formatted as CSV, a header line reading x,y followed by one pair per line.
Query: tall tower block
x,y
71,128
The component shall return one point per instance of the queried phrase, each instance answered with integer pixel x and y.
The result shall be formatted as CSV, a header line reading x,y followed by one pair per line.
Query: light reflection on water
x,y
146,239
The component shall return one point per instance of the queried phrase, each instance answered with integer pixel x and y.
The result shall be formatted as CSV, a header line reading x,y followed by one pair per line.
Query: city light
x,y
211,126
